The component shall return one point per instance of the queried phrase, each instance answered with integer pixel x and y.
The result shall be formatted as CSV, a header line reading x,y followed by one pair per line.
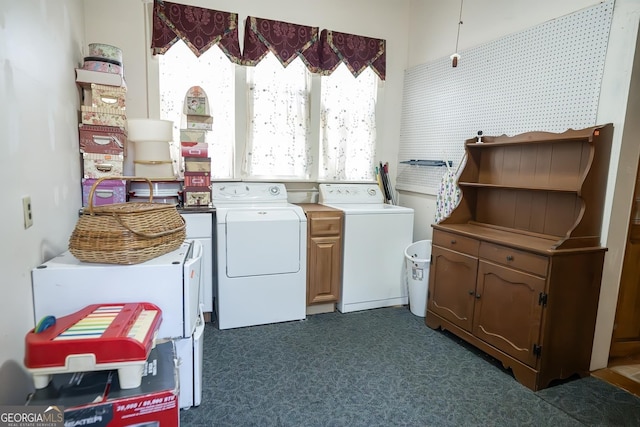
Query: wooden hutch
x,y
516,268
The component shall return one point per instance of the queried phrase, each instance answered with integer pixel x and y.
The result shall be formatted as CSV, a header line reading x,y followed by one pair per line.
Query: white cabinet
x,y
200,227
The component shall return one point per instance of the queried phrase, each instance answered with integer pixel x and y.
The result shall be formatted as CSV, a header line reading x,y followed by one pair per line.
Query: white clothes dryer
x,y
375,237
261,244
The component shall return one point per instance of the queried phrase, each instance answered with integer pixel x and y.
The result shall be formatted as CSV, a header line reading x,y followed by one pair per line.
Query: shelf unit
x,y
516,267
538,183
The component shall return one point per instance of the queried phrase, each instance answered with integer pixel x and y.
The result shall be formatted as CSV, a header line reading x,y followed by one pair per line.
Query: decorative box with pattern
x,y
192,135
103,116
194,149
107,192
197,164
197,179
102,139
196,196
98,96
97,165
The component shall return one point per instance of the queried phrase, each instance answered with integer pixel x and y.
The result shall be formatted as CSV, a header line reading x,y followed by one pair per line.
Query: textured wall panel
x,y
545,78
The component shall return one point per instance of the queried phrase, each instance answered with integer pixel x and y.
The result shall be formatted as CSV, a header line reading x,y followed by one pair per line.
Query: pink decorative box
x,y
107,192
102,139
197,179
101,165
92,64
103,116
194,149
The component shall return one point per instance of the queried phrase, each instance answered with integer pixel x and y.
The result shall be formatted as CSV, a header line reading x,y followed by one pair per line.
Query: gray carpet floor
x,y
381,367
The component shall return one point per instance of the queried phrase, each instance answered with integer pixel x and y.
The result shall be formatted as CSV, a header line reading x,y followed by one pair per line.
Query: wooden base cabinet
x,y
324,253
527,298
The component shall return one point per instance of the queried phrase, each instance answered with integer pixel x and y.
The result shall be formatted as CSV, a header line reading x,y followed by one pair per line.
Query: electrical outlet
x,y
26,211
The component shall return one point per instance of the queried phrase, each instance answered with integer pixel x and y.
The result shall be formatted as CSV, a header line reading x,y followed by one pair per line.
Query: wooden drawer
x,y
455,242
325,225
520,260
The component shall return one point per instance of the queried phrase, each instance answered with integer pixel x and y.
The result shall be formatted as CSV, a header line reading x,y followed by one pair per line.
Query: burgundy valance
x,y
202,28
356,52
198,27
286,41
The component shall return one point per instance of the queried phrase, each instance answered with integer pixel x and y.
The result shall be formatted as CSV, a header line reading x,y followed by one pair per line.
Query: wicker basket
x,y
126,233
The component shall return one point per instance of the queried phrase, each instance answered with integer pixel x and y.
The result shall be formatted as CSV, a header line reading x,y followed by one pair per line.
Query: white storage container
x,y
418,259
150,130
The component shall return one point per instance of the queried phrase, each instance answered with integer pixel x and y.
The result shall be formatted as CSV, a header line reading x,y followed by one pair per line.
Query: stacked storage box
x,y
103,138
152,160
195,149
152,154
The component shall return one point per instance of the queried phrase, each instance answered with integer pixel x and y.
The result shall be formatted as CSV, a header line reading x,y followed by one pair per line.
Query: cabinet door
x,y
325,265
508,310
452,285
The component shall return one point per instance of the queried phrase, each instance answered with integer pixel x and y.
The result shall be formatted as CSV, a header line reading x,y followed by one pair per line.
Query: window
x,y
280,128
180,69
348,125
278,137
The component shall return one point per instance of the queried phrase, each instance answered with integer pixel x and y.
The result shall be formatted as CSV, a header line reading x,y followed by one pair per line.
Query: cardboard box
x,y
105,96
85,77
102,165
190,135
103,116
194,149
197,197
106,193
199,122
197,179
102,139
96,399
197,164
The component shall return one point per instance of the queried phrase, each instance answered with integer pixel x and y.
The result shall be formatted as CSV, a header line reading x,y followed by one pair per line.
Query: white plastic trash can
x,y
418,258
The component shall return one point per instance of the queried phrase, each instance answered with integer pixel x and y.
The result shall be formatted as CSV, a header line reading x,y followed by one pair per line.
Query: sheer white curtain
x,y
278,141
180,69
348,126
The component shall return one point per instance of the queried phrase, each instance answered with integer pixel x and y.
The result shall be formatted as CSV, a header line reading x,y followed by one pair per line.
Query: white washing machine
x,y
375,237
261,244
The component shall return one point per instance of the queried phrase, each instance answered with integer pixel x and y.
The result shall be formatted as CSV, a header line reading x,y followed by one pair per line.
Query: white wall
x,y
40,45
433,29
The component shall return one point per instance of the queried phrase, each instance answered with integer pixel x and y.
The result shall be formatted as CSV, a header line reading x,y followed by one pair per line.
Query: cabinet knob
x,y
509,257
477,296
470,292
453,241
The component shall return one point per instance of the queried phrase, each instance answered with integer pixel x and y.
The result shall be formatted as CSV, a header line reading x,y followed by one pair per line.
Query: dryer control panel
x,y
249,192
350,193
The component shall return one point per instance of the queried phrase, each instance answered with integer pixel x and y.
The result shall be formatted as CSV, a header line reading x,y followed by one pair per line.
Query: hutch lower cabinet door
x,y
508,311
452,286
